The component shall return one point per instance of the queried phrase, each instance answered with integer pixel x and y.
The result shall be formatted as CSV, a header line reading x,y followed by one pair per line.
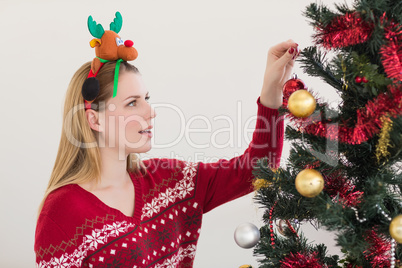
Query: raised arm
x,y
225,180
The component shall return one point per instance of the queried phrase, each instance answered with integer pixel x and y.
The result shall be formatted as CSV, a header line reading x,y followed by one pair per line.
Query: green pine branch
x,y
284,245
318,14
313,63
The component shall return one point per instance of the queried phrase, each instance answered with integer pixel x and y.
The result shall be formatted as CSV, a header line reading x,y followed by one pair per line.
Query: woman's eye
x,y
134,101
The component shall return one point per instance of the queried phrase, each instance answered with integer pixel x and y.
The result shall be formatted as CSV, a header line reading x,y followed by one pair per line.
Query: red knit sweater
x,y
76,229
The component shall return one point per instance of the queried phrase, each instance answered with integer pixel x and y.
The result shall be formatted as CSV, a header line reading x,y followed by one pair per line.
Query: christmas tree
x,y
344,170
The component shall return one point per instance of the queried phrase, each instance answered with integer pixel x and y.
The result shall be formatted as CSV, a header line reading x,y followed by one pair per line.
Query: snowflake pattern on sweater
x,y
76,229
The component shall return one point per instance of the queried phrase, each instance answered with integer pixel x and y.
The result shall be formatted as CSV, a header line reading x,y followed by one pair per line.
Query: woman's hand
x,y
279,66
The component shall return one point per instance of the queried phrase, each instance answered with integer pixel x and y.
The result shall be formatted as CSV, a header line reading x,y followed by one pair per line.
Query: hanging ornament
x,y
282,225
361,79
395,228
246,266
247,235
309,183
301,103
291,86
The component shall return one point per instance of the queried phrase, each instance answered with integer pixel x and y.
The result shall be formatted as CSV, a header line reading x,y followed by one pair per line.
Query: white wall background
x,y
206,58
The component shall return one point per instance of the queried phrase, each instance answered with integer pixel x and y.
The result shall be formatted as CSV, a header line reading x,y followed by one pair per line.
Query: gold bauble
x,y
309,183
395,229
301,103
246,266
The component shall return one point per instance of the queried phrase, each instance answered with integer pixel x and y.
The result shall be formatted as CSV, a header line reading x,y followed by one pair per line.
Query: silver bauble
x,y
247,235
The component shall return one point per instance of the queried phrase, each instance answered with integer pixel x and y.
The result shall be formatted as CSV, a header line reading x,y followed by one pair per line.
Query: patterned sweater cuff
x,y
268,123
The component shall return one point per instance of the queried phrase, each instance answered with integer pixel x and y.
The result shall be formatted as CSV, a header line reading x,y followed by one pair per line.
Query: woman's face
x,y
125,115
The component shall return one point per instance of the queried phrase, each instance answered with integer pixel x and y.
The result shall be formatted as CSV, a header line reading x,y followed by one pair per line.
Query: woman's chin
x,y
143,149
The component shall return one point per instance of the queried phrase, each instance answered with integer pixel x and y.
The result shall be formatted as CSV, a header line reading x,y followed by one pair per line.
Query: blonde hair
x,y
74,163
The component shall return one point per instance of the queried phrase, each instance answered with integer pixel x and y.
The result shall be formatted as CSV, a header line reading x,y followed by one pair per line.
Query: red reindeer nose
x,y
128,43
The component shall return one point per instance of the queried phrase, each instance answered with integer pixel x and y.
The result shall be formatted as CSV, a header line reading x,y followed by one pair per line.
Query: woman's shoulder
x,y
65,200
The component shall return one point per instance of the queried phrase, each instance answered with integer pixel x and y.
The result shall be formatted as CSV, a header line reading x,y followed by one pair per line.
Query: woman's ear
x,y
93,120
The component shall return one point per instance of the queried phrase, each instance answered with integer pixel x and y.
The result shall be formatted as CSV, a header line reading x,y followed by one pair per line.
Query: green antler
x,y
117,23
95,29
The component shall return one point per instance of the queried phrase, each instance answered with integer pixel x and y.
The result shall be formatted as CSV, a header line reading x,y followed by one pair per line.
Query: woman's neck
x,y
113,169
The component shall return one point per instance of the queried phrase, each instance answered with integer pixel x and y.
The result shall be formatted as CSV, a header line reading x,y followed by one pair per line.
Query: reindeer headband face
x,y
108,47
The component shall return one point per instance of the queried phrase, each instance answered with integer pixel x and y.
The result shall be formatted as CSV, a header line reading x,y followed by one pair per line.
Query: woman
x,y
104,207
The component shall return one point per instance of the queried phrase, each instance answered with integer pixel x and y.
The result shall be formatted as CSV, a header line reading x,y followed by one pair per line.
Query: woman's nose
x,y
128,43
153,113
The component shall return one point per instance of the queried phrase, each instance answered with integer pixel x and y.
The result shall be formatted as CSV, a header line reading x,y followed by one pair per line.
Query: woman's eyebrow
x,y
135,96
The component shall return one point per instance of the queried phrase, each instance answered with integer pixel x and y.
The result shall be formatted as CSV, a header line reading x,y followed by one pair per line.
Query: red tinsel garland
x,y
300,260
378,252
391,55
391,52
337,185
368,119
344,31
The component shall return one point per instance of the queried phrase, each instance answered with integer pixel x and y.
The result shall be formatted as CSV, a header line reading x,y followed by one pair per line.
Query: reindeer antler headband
x,y
108,47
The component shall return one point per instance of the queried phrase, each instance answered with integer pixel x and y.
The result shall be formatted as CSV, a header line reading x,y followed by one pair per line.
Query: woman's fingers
x,y
280,62
288,56
280,49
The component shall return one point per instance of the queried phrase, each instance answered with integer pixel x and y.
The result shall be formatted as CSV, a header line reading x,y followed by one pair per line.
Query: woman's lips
x,y
147,133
